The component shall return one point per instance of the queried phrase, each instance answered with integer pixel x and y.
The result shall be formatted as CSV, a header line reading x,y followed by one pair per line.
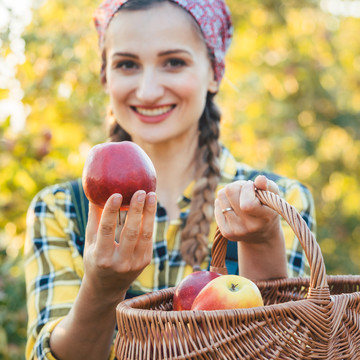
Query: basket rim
x,y
132,305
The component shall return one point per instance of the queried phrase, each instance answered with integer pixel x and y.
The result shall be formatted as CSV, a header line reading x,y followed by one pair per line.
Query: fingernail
x,y
141,197
116,200
152,198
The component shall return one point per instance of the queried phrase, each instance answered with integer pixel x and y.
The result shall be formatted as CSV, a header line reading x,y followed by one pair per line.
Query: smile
x,y
153,111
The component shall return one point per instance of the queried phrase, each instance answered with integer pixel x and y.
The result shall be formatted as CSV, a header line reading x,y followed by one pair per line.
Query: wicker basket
x,y
303,318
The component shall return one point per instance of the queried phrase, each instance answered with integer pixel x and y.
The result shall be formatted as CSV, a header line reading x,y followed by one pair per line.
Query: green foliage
x,y
290,101
12,309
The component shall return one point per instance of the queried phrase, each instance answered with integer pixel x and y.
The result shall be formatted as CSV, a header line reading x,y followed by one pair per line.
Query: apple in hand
x,y
117,167
189,287
228,292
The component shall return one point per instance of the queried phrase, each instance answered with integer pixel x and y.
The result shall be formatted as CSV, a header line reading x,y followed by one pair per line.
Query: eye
x,y
125,65
175,63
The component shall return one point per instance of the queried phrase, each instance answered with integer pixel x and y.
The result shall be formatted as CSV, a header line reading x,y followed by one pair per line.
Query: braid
x,y
194,236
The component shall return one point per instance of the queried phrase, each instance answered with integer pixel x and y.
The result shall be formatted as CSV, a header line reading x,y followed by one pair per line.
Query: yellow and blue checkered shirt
x,y
54,249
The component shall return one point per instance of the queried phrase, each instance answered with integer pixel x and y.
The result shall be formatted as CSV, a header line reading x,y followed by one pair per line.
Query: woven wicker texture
x,y
303,318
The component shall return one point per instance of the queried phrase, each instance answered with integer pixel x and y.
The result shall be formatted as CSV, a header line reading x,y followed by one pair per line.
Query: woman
x,y
163,61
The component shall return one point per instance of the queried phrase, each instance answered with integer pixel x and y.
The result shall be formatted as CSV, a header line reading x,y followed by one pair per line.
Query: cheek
x,y
117,90
192,88
113,88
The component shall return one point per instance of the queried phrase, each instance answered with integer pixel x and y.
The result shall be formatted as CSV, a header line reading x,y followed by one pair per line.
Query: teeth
x,y
154,112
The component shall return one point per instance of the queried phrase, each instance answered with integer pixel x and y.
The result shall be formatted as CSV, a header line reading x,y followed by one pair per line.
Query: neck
x,y
175,165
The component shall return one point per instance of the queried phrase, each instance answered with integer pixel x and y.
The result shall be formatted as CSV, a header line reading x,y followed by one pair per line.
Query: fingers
x,y
145,243
228,197
94,217
241,197
93,223
222,219
135,237
147,227
105,239
249,220
139,223
263,183
249,202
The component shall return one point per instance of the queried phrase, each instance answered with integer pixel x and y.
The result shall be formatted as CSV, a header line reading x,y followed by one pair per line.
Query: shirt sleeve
x,y
53,266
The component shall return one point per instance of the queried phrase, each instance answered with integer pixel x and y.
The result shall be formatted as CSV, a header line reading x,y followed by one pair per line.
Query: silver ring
x,y
227,209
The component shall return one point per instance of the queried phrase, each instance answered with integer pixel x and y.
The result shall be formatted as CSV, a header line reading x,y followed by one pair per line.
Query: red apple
x,y
228,292
189,287
117,167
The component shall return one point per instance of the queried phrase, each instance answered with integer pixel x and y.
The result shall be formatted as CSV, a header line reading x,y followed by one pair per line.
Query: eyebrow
x,y
174,51
125,55
162,53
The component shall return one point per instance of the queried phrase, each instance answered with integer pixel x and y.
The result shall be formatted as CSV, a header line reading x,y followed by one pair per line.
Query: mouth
x,y
153,111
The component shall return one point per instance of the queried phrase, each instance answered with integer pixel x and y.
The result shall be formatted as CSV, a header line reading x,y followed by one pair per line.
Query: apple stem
x,y
233,287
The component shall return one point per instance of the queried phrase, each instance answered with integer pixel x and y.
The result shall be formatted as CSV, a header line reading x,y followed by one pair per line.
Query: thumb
x,y
263,183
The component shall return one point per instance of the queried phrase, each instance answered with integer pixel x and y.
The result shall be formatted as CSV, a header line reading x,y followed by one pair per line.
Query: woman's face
x,y
158,73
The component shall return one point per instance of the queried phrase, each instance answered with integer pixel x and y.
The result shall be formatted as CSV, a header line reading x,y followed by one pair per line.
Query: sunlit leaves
x,y
290,101
292,98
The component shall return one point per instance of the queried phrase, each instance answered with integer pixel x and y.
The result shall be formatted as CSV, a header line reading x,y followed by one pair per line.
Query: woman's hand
x,y
249,220
111,265
256,228
87,331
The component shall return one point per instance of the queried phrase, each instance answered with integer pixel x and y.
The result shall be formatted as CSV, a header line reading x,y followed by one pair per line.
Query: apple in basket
x,y
117,167
228,292
189,287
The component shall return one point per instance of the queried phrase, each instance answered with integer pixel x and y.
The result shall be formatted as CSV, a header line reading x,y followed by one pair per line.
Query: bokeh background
x,y
290,101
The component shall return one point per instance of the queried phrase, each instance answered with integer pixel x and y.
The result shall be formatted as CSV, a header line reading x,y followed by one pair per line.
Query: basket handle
x,y
318,281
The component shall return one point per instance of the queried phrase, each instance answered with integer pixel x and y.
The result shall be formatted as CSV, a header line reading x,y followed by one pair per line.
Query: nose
x,y
149,89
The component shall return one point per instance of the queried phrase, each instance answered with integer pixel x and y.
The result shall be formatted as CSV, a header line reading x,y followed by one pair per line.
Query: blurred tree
x,y
290,101
291,104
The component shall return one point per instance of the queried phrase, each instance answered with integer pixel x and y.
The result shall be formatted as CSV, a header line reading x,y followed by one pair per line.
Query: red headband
x,y
213,17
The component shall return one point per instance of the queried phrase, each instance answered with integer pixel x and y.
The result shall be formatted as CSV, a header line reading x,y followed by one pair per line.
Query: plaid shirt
x,y
54,249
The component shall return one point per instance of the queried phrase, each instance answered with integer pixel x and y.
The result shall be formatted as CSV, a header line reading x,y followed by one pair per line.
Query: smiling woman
x,y
164,83
162,65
